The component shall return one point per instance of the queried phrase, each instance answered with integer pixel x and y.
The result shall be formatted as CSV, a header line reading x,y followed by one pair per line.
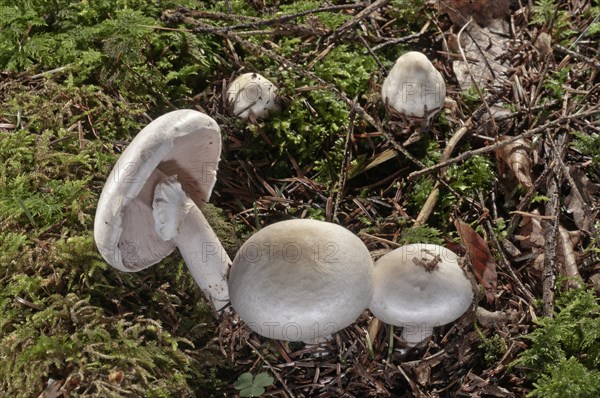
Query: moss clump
x,y
564,356
225,229
64,313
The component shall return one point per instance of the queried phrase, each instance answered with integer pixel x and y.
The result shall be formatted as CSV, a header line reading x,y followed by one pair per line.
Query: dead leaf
x,y
567,260
482,261
501,121
595,279
532,233
484,49
576,204
116,377
53,389
516,157
543,45
482,11
532,237
493,320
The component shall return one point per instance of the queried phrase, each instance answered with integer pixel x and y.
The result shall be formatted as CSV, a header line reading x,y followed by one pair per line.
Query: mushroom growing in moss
x,y
418,287
301,280
150,202
252,95
414,88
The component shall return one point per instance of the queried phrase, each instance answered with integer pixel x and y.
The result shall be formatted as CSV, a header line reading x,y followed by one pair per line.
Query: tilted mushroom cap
x,y
414,87
252,94
418,287
301,280
183,143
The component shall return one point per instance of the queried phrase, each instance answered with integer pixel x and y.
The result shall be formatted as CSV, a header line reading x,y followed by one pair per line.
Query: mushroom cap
x,y
182,143
414,86
252,93
407,293
301,280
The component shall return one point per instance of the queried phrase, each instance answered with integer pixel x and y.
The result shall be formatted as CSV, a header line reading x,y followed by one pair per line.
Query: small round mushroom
x,y
252,95
301,280
149,204
414,88
418,287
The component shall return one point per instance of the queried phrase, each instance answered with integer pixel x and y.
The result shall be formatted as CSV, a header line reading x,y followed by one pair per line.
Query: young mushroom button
x,y
418,287
149,204
414,88
301,280
252,96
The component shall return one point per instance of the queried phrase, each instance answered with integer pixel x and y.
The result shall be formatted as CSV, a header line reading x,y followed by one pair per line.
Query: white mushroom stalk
x,y
301,280
160,180
419,287
252,95
414,88
179,220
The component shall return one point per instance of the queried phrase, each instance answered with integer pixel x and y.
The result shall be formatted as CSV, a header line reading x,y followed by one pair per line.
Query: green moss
x,y
64,313
588,144
421,234
564,355
114,43
226,231
409,12
69,337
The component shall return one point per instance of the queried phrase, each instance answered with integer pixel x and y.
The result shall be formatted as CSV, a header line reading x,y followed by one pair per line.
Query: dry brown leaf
x,y
575,205
482,261
517,158
532,237
567,260
595,279
492,128
54,390
484,49
116,377
543,45
492,319
482,11
532,233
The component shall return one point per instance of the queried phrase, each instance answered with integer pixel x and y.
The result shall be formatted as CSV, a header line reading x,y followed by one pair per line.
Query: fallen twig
x,y
491,148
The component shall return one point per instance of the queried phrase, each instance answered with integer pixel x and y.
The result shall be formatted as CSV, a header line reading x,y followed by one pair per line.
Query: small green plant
x,y
421,234
594,27
471,96
556,81
545,13
494,348
588,144
252,386
564,355
409,12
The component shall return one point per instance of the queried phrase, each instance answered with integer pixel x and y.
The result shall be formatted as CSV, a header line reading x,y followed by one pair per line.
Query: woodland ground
x,y
79,79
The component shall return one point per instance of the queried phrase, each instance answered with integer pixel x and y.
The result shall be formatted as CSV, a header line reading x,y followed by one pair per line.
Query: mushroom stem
x,y
414,333
178,219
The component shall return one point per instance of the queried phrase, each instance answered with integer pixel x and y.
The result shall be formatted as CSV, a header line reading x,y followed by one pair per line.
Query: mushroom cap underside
x,y
183,143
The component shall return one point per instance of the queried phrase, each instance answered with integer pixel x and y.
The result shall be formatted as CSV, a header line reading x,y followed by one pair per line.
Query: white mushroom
x,y
419,287
149,204
414,88
301,280
252,94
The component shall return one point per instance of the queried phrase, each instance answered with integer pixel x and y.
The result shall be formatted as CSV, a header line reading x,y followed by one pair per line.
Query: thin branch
x,y
275,21
590,61
357,18
494,147
551,238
